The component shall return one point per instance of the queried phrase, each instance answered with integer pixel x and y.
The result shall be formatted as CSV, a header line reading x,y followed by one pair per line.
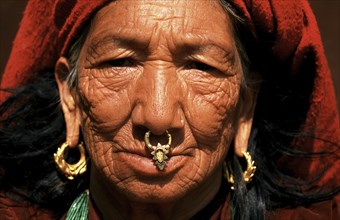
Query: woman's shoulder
x,y
325,210
11,209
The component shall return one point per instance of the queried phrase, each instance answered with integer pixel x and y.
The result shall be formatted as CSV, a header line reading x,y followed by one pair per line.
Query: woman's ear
x,y
67,101
245,121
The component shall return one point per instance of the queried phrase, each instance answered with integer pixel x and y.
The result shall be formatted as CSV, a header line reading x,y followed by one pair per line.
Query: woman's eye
x,y
200,66
123,62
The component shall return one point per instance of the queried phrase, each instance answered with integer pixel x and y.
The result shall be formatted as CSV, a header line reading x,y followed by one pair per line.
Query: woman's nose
x,y
158,100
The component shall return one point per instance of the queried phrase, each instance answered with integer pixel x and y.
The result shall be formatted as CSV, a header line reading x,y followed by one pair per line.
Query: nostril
x,y
139,132
177,137
153,140
158,132
158,115
156,122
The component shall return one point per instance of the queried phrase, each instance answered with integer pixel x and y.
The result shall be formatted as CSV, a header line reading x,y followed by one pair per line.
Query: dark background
x,y
327,14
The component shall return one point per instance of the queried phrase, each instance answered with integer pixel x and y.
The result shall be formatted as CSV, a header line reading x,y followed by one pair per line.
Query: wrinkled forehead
x,y
145,19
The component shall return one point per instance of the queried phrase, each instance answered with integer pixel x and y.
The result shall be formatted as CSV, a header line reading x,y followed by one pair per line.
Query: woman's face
x,y
159,65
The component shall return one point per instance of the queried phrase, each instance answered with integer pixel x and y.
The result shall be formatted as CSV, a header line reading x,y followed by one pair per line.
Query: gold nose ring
x,y
159,152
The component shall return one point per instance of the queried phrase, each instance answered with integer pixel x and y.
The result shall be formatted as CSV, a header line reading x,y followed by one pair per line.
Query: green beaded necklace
x,y
80,208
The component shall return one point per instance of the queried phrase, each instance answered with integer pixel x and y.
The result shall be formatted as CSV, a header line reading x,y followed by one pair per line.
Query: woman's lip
x,y
148,153
144,165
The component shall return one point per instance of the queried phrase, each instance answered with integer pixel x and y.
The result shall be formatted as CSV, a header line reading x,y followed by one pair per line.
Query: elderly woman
x,y
168,110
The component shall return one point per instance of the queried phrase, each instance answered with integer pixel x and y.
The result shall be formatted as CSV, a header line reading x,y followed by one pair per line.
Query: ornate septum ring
x,y
159,152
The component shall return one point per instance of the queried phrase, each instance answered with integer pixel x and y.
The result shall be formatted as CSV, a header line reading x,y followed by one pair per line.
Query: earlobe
x,y
67,102
245,121
242,136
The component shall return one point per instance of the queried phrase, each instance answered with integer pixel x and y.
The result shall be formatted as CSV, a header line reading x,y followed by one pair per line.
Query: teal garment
x,y
80,207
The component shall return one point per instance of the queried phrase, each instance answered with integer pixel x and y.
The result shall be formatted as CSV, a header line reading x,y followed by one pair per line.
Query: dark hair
x,y
32,128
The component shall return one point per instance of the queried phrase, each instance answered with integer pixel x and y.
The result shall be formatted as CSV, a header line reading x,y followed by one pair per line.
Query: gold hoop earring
x,y
247,174
159,152
70,170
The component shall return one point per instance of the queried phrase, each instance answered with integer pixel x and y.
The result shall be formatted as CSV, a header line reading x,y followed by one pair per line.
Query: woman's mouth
x,y
143,164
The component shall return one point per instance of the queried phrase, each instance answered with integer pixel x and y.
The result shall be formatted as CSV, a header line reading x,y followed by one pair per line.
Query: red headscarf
x,y
49,28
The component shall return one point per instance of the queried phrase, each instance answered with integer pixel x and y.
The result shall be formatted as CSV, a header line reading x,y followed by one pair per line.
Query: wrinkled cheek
x,y
103,110
103,160
212,116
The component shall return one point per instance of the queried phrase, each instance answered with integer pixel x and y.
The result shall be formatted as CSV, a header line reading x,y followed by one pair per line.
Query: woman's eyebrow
x,y
121,38
110,40
212,48
189,43
110,43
